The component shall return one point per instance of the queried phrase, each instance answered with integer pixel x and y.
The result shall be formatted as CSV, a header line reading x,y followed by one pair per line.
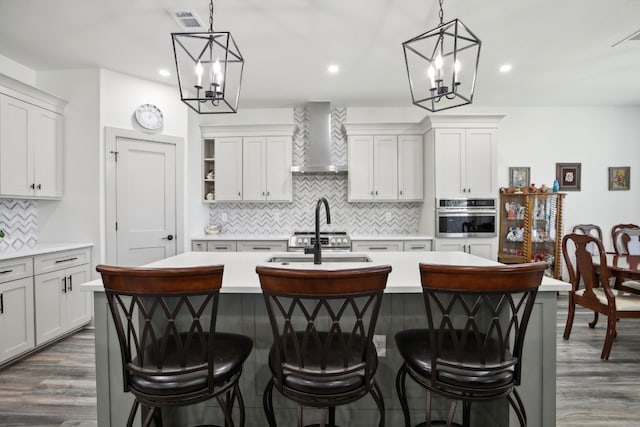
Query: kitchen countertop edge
x,y
42,248
240,276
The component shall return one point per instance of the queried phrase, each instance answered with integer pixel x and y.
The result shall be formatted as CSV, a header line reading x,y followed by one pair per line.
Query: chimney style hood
x,y
317,159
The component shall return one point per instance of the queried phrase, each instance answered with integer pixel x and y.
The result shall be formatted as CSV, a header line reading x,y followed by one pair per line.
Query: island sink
x,y
285,259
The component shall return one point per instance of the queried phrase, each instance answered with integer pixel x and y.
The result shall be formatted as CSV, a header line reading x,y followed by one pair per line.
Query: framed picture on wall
x,y
519,176
568,176
619,178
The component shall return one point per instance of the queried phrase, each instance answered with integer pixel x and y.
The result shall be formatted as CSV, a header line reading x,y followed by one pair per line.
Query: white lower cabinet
x,y
16,317
485,248
390,245
60,304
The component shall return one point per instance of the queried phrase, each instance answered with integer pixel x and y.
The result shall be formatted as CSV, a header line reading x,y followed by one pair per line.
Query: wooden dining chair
x,y
628,241
615,229
593,291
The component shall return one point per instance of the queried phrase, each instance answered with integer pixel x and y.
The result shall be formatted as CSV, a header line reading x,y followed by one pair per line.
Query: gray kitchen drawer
x,y
377,245
262,246
55,261
15,268
417,245
221,246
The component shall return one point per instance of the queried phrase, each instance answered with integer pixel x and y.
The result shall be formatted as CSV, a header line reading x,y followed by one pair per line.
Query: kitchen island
x,y
242,310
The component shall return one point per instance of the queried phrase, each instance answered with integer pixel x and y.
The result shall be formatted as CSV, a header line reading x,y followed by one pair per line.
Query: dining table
x,y
623,266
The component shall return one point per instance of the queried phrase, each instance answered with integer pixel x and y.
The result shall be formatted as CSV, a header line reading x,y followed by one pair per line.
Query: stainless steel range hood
x,y
317,158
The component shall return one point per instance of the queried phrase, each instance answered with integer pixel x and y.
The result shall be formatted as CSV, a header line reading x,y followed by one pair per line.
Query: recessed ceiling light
x,y
333,69
164,72
505,68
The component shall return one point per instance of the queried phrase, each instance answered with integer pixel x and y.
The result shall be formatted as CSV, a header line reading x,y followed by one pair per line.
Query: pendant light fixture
x,y
209,67
442,65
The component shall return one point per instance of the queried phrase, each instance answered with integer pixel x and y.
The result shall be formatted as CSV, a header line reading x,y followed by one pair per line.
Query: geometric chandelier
x,y
442,65
209,67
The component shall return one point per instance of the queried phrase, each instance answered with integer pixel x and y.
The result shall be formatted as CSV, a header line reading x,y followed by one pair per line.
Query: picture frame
x,y
568,176
519,176
619,178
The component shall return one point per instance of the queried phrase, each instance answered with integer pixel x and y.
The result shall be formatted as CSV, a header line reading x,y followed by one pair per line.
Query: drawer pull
x,y
66,260
378,248
6,271
261,248
222,248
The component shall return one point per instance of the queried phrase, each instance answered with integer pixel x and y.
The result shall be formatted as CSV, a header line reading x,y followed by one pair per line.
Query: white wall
x,y
596,137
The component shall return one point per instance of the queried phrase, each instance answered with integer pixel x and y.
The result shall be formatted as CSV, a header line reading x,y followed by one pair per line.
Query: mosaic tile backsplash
x,y
284,218
19,221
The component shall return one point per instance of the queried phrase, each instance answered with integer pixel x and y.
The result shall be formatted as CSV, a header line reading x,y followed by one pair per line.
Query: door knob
x,y
169,237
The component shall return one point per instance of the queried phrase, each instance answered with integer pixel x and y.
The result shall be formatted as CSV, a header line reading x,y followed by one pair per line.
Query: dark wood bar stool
x,y
471,349
323,324
165,319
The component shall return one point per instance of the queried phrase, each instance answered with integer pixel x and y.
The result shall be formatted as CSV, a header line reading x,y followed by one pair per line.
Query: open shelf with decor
x,y
531,229
209,170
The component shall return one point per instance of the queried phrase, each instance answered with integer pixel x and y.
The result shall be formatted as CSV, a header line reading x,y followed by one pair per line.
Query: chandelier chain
x,y
441,14
211,15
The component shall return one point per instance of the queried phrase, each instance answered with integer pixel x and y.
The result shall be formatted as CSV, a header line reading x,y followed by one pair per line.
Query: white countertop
x,y
42,248
240,275
408,237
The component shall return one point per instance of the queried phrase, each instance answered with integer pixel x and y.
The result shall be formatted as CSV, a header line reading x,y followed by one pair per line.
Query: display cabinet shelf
x,y
531,229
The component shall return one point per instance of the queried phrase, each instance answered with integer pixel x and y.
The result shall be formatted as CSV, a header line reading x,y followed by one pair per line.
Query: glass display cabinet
x,y
531,229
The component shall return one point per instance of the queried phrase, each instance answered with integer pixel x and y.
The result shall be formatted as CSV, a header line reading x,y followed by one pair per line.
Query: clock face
x,y
149,116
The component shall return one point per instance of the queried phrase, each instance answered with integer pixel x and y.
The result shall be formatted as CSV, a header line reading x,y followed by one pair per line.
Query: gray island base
x,y
242,310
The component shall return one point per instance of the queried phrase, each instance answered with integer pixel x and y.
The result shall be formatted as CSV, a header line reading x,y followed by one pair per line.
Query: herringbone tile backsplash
x,y
284,218
19,221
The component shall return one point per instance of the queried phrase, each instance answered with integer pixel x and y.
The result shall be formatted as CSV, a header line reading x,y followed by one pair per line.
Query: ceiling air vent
x,y
187,19
632,41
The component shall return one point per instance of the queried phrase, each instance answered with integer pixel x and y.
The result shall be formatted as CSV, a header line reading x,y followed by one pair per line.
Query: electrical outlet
x,y
387,216
380,342
223,217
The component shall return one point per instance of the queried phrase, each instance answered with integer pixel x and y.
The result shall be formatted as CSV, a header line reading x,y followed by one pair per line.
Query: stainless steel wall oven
x,y
466,218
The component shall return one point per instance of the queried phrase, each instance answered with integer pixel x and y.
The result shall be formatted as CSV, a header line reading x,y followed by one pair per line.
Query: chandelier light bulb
x,y
431,72
456,70
439,61
199,73
218,77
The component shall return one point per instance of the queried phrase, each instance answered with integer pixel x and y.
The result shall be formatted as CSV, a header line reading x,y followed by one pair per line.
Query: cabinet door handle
x,y
1,303
66,260
33,186
5,271
39,186
70,284
372,192
238,193
64,282
401,192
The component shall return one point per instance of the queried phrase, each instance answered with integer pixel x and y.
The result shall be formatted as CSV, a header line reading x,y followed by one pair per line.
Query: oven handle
x,y
465,212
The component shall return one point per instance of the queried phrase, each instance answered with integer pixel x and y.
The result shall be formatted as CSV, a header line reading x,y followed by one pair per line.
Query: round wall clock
x,y
149,116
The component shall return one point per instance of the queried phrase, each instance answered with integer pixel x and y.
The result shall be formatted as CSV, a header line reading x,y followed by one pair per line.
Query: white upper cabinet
x,y
228,168
410,167
386,166
463,150
31,141
266,168
247,163
30,150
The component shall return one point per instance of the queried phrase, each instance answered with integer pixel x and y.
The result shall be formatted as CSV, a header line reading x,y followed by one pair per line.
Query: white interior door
x,y
145,201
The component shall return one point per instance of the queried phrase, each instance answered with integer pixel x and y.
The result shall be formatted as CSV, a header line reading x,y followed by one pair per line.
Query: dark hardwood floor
x,y
56,387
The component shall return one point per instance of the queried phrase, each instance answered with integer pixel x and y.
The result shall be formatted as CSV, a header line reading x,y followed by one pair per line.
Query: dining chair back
x,y
614,230
591,288
627,241
165,320
591,230
323,323
472,347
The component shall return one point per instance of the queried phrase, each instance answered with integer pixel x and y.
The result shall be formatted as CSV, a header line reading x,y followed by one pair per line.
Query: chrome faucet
x,y
315,250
